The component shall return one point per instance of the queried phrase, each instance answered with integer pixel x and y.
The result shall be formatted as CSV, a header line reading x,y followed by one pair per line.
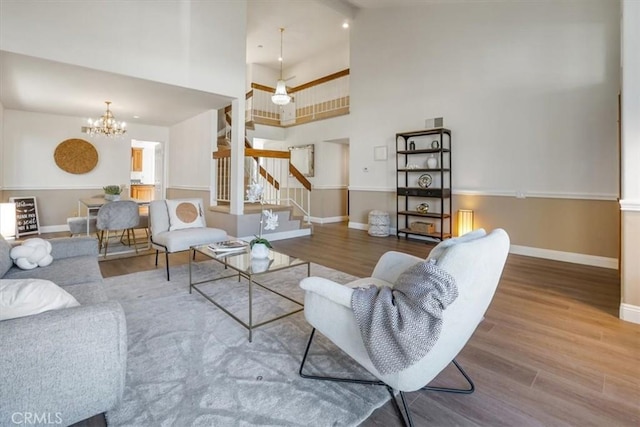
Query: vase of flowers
x,y
112,192
268,221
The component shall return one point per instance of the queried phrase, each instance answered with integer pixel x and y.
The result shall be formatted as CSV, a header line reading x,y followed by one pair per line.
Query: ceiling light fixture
x,y
345,24
280,97
106,125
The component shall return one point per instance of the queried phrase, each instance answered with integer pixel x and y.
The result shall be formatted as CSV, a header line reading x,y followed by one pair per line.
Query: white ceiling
x,y
311,26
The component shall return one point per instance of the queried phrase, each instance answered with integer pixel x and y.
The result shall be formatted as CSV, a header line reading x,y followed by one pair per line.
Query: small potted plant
x,y
112,192
268,221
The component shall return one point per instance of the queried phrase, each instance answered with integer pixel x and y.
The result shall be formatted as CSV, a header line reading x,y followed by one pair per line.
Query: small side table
x,y
378,223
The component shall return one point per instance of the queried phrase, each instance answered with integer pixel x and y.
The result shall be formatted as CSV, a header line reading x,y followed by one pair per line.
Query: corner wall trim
x,y
630,313
593,260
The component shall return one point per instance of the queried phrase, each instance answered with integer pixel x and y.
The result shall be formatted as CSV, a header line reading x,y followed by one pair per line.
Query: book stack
x,y
229,246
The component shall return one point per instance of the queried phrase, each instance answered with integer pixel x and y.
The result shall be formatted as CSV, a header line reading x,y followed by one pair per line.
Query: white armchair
x,y
178,224
475,260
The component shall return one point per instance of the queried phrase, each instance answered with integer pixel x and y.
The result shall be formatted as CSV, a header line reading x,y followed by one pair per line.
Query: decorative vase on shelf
x,y
412,146
432,162
423,208
112,197
259,251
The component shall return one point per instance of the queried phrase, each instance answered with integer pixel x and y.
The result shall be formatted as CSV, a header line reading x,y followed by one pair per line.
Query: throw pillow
x,y
25,297
185,213
442,247
32,253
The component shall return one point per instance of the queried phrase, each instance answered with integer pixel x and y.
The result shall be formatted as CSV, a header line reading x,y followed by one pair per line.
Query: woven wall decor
x,y
76,156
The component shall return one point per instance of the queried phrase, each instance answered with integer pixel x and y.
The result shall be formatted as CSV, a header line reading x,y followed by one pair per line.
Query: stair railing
x,y
270,168
319,99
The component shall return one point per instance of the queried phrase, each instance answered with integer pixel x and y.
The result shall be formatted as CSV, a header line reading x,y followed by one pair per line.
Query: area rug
x,y
190,364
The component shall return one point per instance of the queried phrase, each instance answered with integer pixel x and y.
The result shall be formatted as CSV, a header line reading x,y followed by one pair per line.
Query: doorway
x,y
147,170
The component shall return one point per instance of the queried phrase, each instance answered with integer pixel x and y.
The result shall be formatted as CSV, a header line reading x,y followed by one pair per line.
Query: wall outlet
x,y
365,169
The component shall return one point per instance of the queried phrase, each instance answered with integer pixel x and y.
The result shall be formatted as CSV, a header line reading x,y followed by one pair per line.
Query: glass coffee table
x,y
245,267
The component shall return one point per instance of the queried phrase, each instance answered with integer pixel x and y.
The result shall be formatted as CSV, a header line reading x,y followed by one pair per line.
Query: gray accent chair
x,y
72,361
475,260
115,216
170,241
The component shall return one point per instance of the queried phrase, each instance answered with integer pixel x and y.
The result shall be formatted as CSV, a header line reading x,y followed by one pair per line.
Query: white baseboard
x,y
54,228
358,225
593,260
328,220
596,261
630,313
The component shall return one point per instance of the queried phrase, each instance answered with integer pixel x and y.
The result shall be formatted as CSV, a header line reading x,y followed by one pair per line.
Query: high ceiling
x,y
311,26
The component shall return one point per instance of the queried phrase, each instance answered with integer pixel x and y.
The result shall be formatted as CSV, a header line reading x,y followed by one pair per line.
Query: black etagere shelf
x,y
423,183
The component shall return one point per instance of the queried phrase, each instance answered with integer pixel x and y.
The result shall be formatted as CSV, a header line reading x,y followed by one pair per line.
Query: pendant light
x,y
280,97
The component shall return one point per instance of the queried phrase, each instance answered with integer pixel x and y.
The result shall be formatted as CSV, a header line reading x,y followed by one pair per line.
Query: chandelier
x,y
280,97
106,125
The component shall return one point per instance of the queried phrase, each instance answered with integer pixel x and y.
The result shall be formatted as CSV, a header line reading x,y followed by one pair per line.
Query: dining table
x,y
93,204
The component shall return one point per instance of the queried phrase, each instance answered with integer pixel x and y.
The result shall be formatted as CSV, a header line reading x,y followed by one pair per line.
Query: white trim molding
x,y
329,219
535,194
377,189
358,225
282,235
630,313
575,258
510,193
630,205
59,188
330,187
189,187
54,228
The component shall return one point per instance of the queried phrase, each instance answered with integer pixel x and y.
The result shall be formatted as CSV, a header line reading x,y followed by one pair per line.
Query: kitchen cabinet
x,y
136,159
142,192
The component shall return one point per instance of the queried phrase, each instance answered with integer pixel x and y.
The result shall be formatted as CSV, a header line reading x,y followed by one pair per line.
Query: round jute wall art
x,y
76,156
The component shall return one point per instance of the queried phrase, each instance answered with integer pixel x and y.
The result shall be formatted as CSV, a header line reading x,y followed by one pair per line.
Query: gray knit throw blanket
x,y
399,326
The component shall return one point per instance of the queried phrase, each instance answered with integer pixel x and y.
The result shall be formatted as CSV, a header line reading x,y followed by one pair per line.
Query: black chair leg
x,y
316,377
157,257
468,390
405,415
405,421
166,258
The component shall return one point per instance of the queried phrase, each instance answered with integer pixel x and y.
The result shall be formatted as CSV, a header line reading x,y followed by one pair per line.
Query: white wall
x,y
329,61
257,73
631,102
30,140
330,168
529,90
1,143
195,44
190,151
330,161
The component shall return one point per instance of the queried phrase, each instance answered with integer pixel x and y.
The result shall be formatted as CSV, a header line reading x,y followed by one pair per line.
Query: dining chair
x,y
115,216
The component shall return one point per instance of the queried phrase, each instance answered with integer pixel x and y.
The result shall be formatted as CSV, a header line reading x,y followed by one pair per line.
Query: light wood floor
x,y
550,352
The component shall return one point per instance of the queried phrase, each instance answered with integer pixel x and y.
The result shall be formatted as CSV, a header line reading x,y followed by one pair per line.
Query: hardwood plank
x,y
551,350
